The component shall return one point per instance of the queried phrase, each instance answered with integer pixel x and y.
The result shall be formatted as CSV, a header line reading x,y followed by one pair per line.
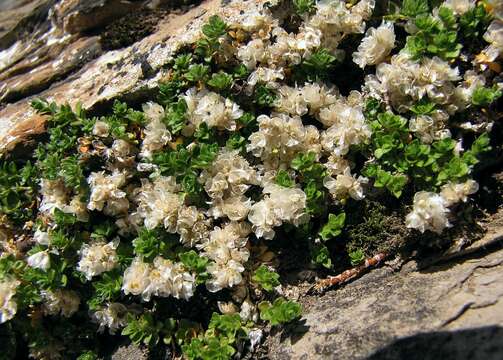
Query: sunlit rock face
x,y
61,57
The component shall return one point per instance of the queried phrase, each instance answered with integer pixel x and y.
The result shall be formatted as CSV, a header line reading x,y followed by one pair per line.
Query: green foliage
x,y
266,278
221,81
228,325
212,31
196,264
71,172
435,37
316,67
473,24
222,333
283,178
312,175
209,348
49,279
235,142
320,255
356,257
483,96
17,190
281,311
423,107
197,73
106,289
88,355
150,243
333,227
143,329
263,96
303,7
413,8
215,28
400,159
175,116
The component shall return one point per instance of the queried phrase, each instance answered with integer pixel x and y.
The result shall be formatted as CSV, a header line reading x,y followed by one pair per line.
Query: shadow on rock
x,y
485,343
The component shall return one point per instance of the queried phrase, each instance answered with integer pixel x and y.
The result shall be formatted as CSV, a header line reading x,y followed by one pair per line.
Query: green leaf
x,y
356,257
283,178
215,27
266,278
280,311
143,329
423,107
302,7
221,81
321,256
107,288
193,261
333,227
227,325
413,8
149,244
264,96
197,72
483,96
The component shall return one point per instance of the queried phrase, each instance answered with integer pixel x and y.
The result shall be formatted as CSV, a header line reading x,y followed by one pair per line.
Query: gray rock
x,y
450,310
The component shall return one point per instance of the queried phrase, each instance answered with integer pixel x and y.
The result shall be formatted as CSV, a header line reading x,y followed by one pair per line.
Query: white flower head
x,y
376,45
39,260
112,316
61,301
8,305
97,258
429,213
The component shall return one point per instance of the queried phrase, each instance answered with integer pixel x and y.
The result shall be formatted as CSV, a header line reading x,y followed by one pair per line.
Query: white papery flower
x,y
97,258
290,48
403,81
192,226
280,138
229,175
156,133
317,96
158,203
112,316
136,278
252,53
376,45
345,185
226,248
257,22
429,128
429,213
280,205
39,260
347,127
161,278
54,195
459,7
61,301
290,101
41,237
455,193
494,36
8,305
236,208
106,194
212,109
264,75
169,279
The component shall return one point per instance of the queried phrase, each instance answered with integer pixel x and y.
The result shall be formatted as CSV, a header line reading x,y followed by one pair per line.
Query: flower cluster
x,y
271,127
161,278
